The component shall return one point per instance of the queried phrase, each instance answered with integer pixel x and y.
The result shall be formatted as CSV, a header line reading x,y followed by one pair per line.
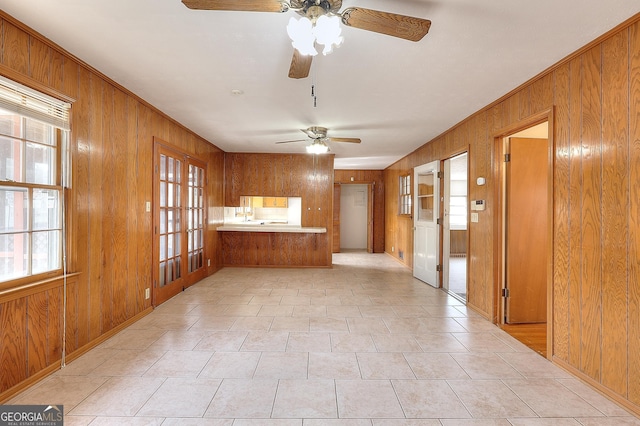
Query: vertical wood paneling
x,y
489,122
2,24
633,349
514,108
575,206
561,216
80,150
57,73
266,169
615,193
37,319
73,324
542,94
15,48
40,61
13,351
54,325
122,187
95,165
70,75
591,291
107,223
524,97
135,208
145,181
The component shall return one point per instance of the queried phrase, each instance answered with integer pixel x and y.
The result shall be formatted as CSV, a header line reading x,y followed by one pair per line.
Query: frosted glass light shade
x,y
304,34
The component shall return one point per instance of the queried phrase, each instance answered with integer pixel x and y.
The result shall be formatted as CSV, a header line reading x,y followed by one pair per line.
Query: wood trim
x,y
25,80
35,287
603,390
498,176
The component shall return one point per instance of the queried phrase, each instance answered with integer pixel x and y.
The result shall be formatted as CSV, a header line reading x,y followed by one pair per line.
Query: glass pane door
x,y
170,221
179,222
195,218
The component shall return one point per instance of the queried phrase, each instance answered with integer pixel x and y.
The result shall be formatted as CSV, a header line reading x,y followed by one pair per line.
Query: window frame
x,y
405,195
58,141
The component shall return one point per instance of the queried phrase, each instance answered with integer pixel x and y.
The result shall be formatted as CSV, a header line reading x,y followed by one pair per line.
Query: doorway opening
x,y
353,217
524,243
455,226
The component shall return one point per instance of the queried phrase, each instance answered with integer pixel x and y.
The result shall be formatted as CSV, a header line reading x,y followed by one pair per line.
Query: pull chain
x,y
313,95
313,88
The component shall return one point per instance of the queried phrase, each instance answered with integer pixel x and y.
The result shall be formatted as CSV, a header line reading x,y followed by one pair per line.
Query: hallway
x,y
360,344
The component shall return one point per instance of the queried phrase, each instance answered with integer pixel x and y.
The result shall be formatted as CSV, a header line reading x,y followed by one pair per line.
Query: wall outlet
x,y
147,293
393,249
208,262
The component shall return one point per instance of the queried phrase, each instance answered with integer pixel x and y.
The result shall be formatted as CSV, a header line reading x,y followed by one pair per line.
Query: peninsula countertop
x,y
266,226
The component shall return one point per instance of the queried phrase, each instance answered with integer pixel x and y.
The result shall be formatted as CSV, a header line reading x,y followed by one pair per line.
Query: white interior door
x,y
425,223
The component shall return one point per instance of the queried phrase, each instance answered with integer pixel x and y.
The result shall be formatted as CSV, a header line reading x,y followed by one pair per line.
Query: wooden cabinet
x,y
257,202
273,202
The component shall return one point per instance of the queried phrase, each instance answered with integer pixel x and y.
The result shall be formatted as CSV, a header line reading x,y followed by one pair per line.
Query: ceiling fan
x,y
320,139
401,26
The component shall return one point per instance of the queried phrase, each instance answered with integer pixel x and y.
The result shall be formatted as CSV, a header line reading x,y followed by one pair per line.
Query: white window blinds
x,y
27,102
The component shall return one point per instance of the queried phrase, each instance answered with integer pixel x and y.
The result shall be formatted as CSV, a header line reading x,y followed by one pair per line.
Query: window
x,y
31,229
405,194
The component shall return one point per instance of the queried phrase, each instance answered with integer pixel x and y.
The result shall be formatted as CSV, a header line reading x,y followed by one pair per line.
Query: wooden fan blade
x,y
297,140
406,27
238,5
300,65
351,140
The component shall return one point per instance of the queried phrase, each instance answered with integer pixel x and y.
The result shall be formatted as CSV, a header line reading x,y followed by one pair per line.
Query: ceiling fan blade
x,y
406,27
297,140
300,65
351,140
238,5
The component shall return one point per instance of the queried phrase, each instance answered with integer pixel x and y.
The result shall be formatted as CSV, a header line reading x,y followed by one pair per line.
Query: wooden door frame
x,y
499,216
442,187
186,279
371,185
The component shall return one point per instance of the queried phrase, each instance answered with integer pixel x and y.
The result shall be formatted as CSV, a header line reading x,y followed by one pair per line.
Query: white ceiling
x,y
394,94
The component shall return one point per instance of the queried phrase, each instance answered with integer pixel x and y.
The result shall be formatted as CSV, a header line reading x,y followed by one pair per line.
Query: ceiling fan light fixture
x,y
305,33
317,147
301,35
327,32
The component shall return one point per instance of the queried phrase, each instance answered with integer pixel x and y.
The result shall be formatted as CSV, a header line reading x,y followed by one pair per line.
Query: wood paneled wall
x,y
366,177
595,96
281,175
110,238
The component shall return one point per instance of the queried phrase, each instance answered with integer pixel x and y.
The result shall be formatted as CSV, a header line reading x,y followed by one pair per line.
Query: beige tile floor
x,y
362,343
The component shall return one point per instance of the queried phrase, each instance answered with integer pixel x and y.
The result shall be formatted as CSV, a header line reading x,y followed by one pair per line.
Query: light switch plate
x,y
474,217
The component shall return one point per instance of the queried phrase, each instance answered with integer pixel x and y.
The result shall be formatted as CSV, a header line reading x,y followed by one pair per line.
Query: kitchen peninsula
x,y
279,210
